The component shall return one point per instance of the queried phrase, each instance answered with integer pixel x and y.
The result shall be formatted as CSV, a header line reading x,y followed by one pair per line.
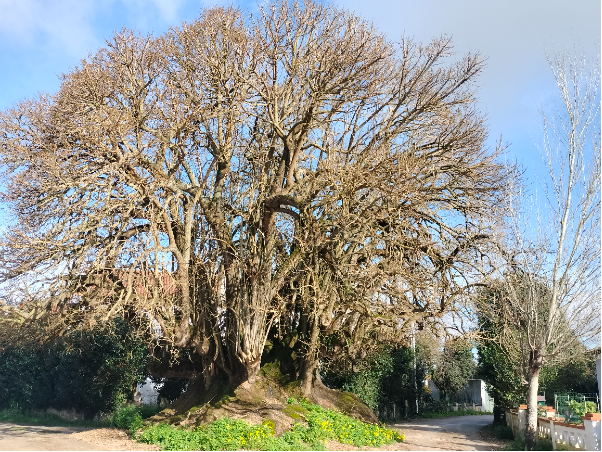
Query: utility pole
x,y
413,342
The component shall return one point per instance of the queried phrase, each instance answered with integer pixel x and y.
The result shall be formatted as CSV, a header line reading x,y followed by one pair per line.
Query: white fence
x,y
568,436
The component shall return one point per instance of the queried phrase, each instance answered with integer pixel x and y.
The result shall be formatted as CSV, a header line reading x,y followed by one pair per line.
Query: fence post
x,y
591,422
522,420
394,411
553,434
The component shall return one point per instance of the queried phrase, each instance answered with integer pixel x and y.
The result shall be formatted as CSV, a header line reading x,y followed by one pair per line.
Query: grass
x,y
540,444
124,416
318,426
429,415
17,415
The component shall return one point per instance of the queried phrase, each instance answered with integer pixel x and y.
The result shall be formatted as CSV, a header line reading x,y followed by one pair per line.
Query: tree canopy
x,y
455,367
288,177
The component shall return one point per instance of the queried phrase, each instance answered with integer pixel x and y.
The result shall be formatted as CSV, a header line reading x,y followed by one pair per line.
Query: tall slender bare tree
x,y
547,304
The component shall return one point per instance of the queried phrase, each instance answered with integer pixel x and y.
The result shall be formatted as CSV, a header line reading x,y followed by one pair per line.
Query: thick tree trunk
x,y
309,377
242,372
308,372
499,415
531,433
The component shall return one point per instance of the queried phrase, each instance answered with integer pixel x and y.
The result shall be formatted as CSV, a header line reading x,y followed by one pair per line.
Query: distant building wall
x,y
475,392
598,373
434,390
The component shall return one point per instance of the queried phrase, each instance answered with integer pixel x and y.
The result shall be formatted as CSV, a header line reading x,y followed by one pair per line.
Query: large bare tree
x,y
241,178
546,307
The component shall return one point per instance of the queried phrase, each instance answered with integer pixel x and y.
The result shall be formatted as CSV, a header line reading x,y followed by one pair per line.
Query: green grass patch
x,y
429,415
540,444
232,434
17,415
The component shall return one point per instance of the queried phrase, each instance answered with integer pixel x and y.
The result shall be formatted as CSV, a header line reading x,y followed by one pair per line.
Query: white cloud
x,y
512,34
60,24
72,26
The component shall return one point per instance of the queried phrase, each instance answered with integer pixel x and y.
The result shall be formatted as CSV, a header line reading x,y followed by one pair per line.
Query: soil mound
x,y
267,398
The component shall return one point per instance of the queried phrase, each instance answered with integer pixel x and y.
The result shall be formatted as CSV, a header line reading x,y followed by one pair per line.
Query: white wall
x,y
598,372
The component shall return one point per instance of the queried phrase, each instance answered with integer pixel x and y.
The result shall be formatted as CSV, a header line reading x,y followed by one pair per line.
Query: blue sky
x,y
40,39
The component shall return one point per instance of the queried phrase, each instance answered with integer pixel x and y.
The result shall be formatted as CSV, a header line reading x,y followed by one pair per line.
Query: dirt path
x,y
27,437
451,433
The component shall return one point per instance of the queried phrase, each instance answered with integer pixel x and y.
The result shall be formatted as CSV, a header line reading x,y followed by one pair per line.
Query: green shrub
x,y
328,424
503,432
147,411
231,434
127,417
579,408
86,371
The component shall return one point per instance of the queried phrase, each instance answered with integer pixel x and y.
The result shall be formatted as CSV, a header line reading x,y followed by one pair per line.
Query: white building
x,y
475,392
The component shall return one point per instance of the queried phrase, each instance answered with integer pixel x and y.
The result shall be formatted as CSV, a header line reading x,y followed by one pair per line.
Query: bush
x,y
86,371
578,408
127,417
430,405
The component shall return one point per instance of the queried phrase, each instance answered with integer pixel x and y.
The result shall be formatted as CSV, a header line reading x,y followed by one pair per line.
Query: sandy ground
x,y
451,433
454,433
27,437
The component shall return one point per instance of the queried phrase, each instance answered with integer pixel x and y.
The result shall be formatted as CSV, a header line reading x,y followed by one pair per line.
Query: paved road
x,y
449,433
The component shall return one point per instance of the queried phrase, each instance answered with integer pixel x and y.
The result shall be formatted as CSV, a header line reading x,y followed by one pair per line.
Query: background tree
x,y
501,374
244,179
575,376
548,308
454,367
504,376
388,378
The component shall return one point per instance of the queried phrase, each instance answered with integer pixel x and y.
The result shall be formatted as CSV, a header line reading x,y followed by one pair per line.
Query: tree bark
x,y
308,373
531,433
